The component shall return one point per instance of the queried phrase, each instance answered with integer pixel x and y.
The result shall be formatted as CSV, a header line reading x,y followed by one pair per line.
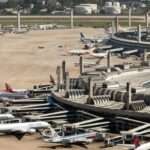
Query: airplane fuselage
x,y
83,137
13,95
22,127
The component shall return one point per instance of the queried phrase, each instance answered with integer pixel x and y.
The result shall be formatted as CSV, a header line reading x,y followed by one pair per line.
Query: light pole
x,y
129,16
147,2
19,18
72,18
146,19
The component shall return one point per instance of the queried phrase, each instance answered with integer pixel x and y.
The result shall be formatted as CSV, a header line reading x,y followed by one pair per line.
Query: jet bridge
x,y
129,52
24,101
26,109
46,116
142,131
115,50
93,123
80,119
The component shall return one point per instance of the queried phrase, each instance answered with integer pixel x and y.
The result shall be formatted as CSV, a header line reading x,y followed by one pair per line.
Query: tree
x,y
51,5
25,3
147,2
12,3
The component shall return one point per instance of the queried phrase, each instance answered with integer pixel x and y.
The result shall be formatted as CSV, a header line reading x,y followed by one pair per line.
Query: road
x,y
76,17
82,21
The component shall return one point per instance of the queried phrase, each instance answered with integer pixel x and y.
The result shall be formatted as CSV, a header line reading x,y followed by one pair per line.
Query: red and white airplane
x,y
8,92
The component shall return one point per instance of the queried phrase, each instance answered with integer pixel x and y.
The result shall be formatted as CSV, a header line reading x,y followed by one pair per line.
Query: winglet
x,y
8,88
52,80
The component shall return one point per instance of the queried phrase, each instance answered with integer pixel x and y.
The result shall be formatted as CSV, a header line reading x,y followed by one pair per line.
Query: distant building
x,y
112,8
3,1
86,9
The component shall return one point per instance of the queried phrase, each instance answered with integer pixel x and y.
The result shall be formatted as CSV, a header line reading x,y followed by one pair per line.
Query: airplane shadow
x,y
62,146
64,55
82,145
55,146
103,147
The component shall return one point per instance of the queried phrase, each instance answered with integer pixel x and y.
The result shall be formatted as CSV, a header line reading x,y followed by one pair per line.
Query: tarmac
x,y
34,142
28,59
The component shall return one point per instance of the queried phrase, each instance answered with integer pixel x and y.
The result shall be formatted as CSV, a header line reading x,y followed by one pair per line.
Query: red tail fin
x,y
8,88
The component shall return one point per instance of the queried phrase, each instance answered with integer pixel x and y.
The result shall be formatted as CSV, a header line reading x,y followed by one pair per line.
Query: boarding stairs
x,y
105,102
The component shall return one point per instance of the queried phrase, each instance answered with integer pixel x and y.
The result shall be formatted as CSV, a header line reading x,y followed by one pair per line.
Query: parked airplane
x,y
20,129
101,54
78,52
144,147
90,40
13,93
81,51
71,136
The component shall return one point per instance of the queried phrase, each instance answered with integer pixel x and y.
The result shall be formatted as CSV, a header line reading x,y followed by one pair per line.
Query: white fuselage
x,y
15,95
83,137
78,52
23,127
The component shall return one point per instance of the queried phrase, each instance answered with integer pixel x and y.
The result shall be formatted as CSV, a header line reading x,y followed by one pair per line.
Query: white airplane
x,y
20,129
81,51
101,54
145,146
76,135
6,116
91,40
101,51
78,52
13,93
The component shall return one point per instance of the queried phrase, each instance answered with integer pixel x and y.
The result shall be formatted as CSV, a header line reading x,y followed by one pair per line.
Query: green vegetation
x,y
92,22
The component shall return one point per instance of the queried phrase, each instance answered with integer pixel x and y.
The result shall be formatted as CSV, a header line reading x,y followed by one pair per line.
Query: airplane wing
x,y
76,140
84,140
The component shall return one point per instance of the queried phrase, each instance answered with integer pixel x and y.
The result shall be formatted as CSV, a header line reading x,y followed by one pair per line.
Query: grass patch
x,y
84,22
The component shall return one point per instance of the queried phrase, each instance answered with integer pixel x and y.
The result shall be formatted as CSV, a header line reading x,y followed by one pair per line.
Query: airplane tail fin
x,y
52,80
82,37
8,88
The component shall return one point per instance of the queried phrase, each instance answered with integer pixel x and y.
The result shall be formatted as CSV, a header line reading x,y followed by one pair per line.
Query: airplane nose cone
x,y
10,116
47,140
